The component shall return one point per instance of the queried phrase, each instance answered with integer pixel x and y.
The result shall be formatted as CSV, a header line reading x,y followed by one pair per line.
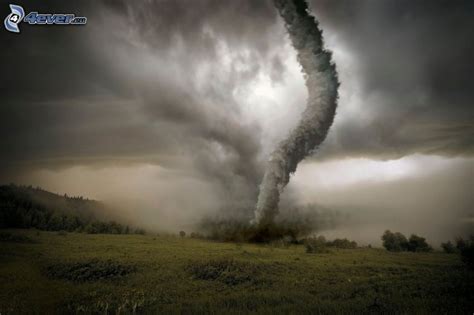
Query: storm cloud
x,y
138,84
408,77
98,91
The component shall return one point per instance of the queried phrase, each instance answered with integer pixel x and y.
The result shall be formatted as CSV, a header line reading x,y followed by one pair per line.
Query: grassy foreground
x,y
81,273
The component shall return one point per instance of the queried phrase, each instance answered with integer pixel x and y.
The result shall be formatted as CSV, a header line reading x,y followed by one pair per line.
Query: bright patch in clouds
x,y
333,174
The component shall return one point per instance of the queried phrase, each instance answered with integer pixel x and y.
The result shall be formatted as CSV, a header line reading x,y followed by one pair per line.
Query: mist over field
x,y
436,202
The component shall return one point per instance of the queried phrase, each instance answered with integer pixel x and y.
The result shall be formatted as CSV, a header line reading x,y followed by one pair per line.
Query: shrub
x,y
182,233
397,242
228,271
343,243
91,270
418,244
316,245
466,249
460,243
449,247
394,242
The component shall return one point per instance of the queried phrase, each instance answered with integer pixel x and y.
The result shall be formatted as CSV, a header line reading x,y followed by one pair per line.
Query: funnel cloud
x,y
322,84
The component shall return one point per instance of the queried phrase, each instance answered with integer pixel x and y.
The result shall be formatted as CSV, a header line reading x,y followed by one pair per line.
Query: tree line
x,y
28,207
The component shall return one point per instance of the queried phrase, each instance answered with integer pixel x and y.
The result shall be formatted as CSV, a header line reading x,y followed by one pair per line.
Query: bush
x,y
228,271
320,245
316,245
466,249
394,242
343,243
397,242
418,244
91,270
182,233
460,243
449,247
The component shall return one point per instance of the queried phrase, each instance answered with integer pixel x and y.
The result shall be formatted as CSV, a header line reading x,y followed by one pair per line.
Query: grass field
x,y
81,273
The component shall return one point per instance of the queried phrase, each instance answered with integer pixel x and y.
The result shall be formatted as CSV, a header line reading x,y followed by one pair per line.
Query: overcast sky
x,y
179,102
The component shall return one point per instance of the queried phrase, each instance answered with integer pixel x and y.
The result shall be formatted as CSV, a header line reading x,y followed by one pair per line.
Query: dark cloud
x,y
413,65
140,83
123,88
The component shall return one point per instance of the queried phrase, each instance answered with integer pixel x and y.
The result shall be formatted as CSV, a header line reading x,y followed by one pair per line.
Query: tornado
x,y
322,83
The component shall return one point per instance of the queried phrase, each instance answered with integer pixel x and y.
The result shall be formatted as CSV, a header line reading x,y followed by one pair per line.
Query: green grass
x,y
169,274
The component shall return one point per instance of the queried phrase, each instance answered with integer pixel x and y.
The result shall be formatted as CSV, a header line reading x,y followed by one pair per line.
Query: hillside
x,y
28,207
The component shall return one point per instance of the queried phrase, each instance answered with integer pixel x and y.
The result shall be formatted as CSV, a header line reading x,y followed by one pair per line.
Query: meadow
x,y
50,273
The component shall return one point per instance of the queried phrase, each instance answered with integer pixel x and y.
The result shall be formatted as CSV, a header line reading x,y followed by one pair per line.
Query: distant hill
x,y
28,207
